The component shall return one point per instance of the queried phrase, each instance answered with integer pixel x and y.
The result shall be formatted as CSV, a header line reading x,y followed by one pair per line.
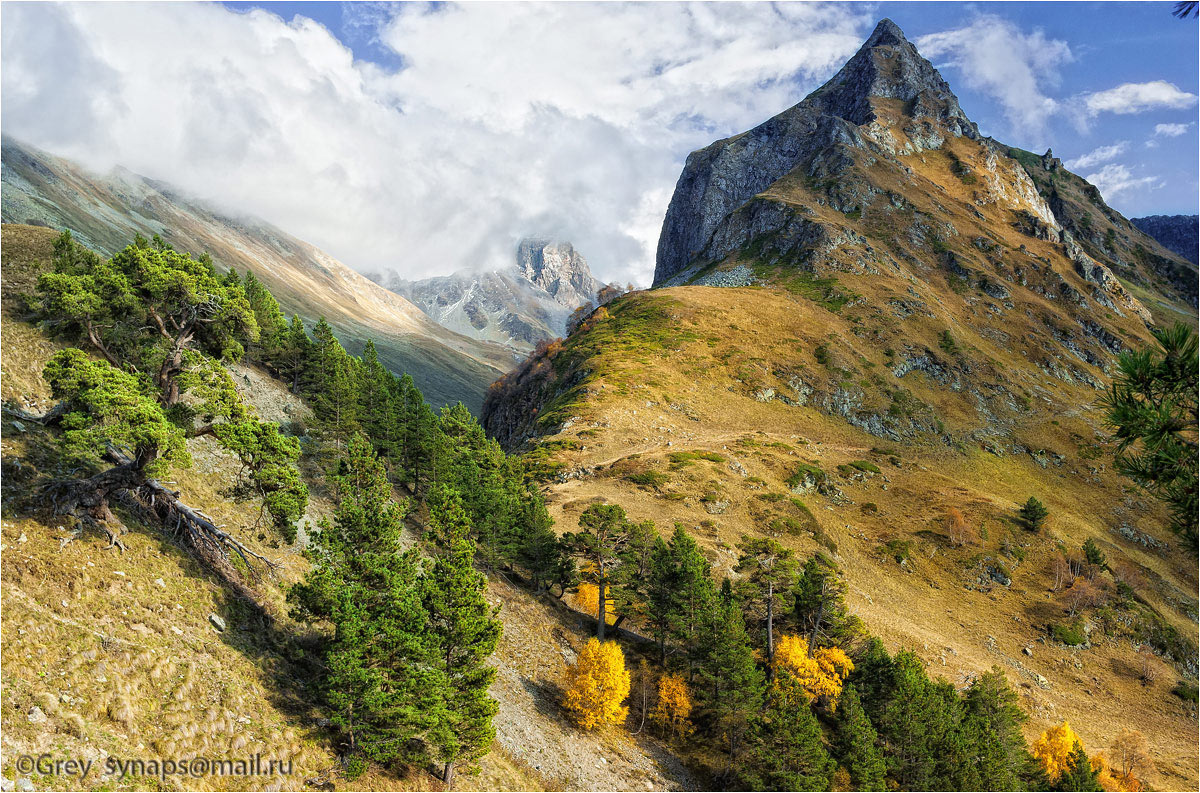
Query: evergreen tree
x,y
417,438
660,594
820,605
540,552
856,743
998,758
381,672
694,595
632,577
332,385
603,534
296,354
272,324
729,677
787,752
462,631
770,572
1033,514
376,403
1079,774
1152,410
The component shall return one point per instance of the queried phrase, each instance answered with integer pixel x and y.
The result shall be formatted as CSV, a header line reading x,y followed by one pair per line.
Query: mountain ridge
x,y
105,211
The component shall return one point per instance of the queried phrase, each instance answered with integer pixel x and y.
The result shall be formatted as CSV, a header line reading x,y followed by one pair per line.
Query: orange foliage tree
x,y
674,706
1053,749
1129,751
821,675
597,685
961,532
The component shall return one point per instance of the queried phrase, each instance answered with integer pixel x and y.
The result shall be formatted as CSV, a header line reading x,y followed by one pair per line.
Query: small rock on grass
x,y
217,622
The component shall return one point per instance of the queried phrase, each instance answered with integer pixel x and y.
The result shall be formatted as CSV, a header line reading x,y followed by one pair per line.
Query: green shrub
x,y
900,550
947,342
771,497
802,472
654,479
1072,635
871,508
786,525
1093,554
822,354
1187,691
864,465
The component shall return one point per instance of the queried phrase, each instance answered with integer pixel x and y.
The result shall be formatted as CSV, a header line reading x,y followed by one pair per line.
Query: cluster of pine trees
x,y
778,675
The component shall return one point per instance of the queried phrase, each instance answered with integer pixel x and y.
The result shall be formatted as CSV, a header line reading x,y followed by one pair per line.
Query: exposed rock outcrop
x,y
1177,233
722,177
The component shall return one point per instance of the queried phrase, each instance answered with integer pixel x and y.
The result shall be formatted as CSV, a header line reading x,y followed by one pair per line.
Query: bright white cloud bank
x,y
996,58
1115,178
1097,156
566,120
1138,98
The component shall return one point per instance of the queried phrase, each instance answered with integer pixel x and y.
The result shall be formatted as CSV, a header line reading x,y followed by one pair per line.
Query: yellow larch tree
x,y
674,706
1053,749
587,600
821,675
597,685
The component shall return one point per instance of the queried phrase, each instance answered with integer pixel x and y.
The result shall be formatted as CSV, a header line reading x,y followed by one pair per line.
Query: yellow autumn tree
x,y
587,600
821,675
597,685
674,706
1053,749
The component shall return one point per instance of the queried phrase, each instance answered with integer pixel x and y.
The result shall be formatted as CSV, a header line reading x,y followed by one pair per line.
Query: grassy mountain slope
x,y
929,341
105,212
118,652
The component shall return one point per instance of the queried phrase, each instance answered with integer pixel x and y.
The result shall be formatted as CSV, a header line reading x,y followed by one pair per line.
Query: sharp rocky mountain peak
x,y
518,306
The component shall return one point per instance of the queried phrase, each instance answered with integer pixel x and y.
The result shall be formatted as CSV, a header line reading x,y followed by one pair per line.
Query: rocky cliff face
x,y
518,307
845,112
841,183
1177,233
558,269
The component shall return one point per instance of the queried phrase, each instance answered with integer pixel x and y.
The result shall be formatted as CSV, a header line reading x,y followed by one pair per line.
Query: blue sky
x,y
423,138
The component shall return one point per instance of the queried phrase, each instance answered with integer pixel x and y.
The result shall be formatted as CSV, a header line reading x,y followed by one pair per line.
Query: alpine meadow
x,y
392,402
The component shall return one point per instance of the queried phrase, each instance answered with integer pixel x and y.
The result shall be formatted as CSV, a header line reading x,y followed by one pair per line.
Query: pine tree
x,y
857,743
770,571
787,752
1033,514
819,605
729,677
660,593
1152,409
379,676
540,551
991,726
602,536
694,594
1079,774
296,354
463,632
332,385
272,324
418,436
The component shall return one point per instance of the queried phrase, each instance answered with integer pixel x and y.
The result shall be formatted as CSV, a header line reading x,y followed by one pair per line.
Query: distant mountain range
x,y
1178,233
106,211
519,306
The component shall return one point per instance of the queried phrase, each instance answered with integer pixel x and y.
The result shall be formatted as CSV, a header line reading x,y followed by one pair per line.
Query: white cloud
x,y
568,120
1138,97
1097,156
997,59
1170,130
1116,178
